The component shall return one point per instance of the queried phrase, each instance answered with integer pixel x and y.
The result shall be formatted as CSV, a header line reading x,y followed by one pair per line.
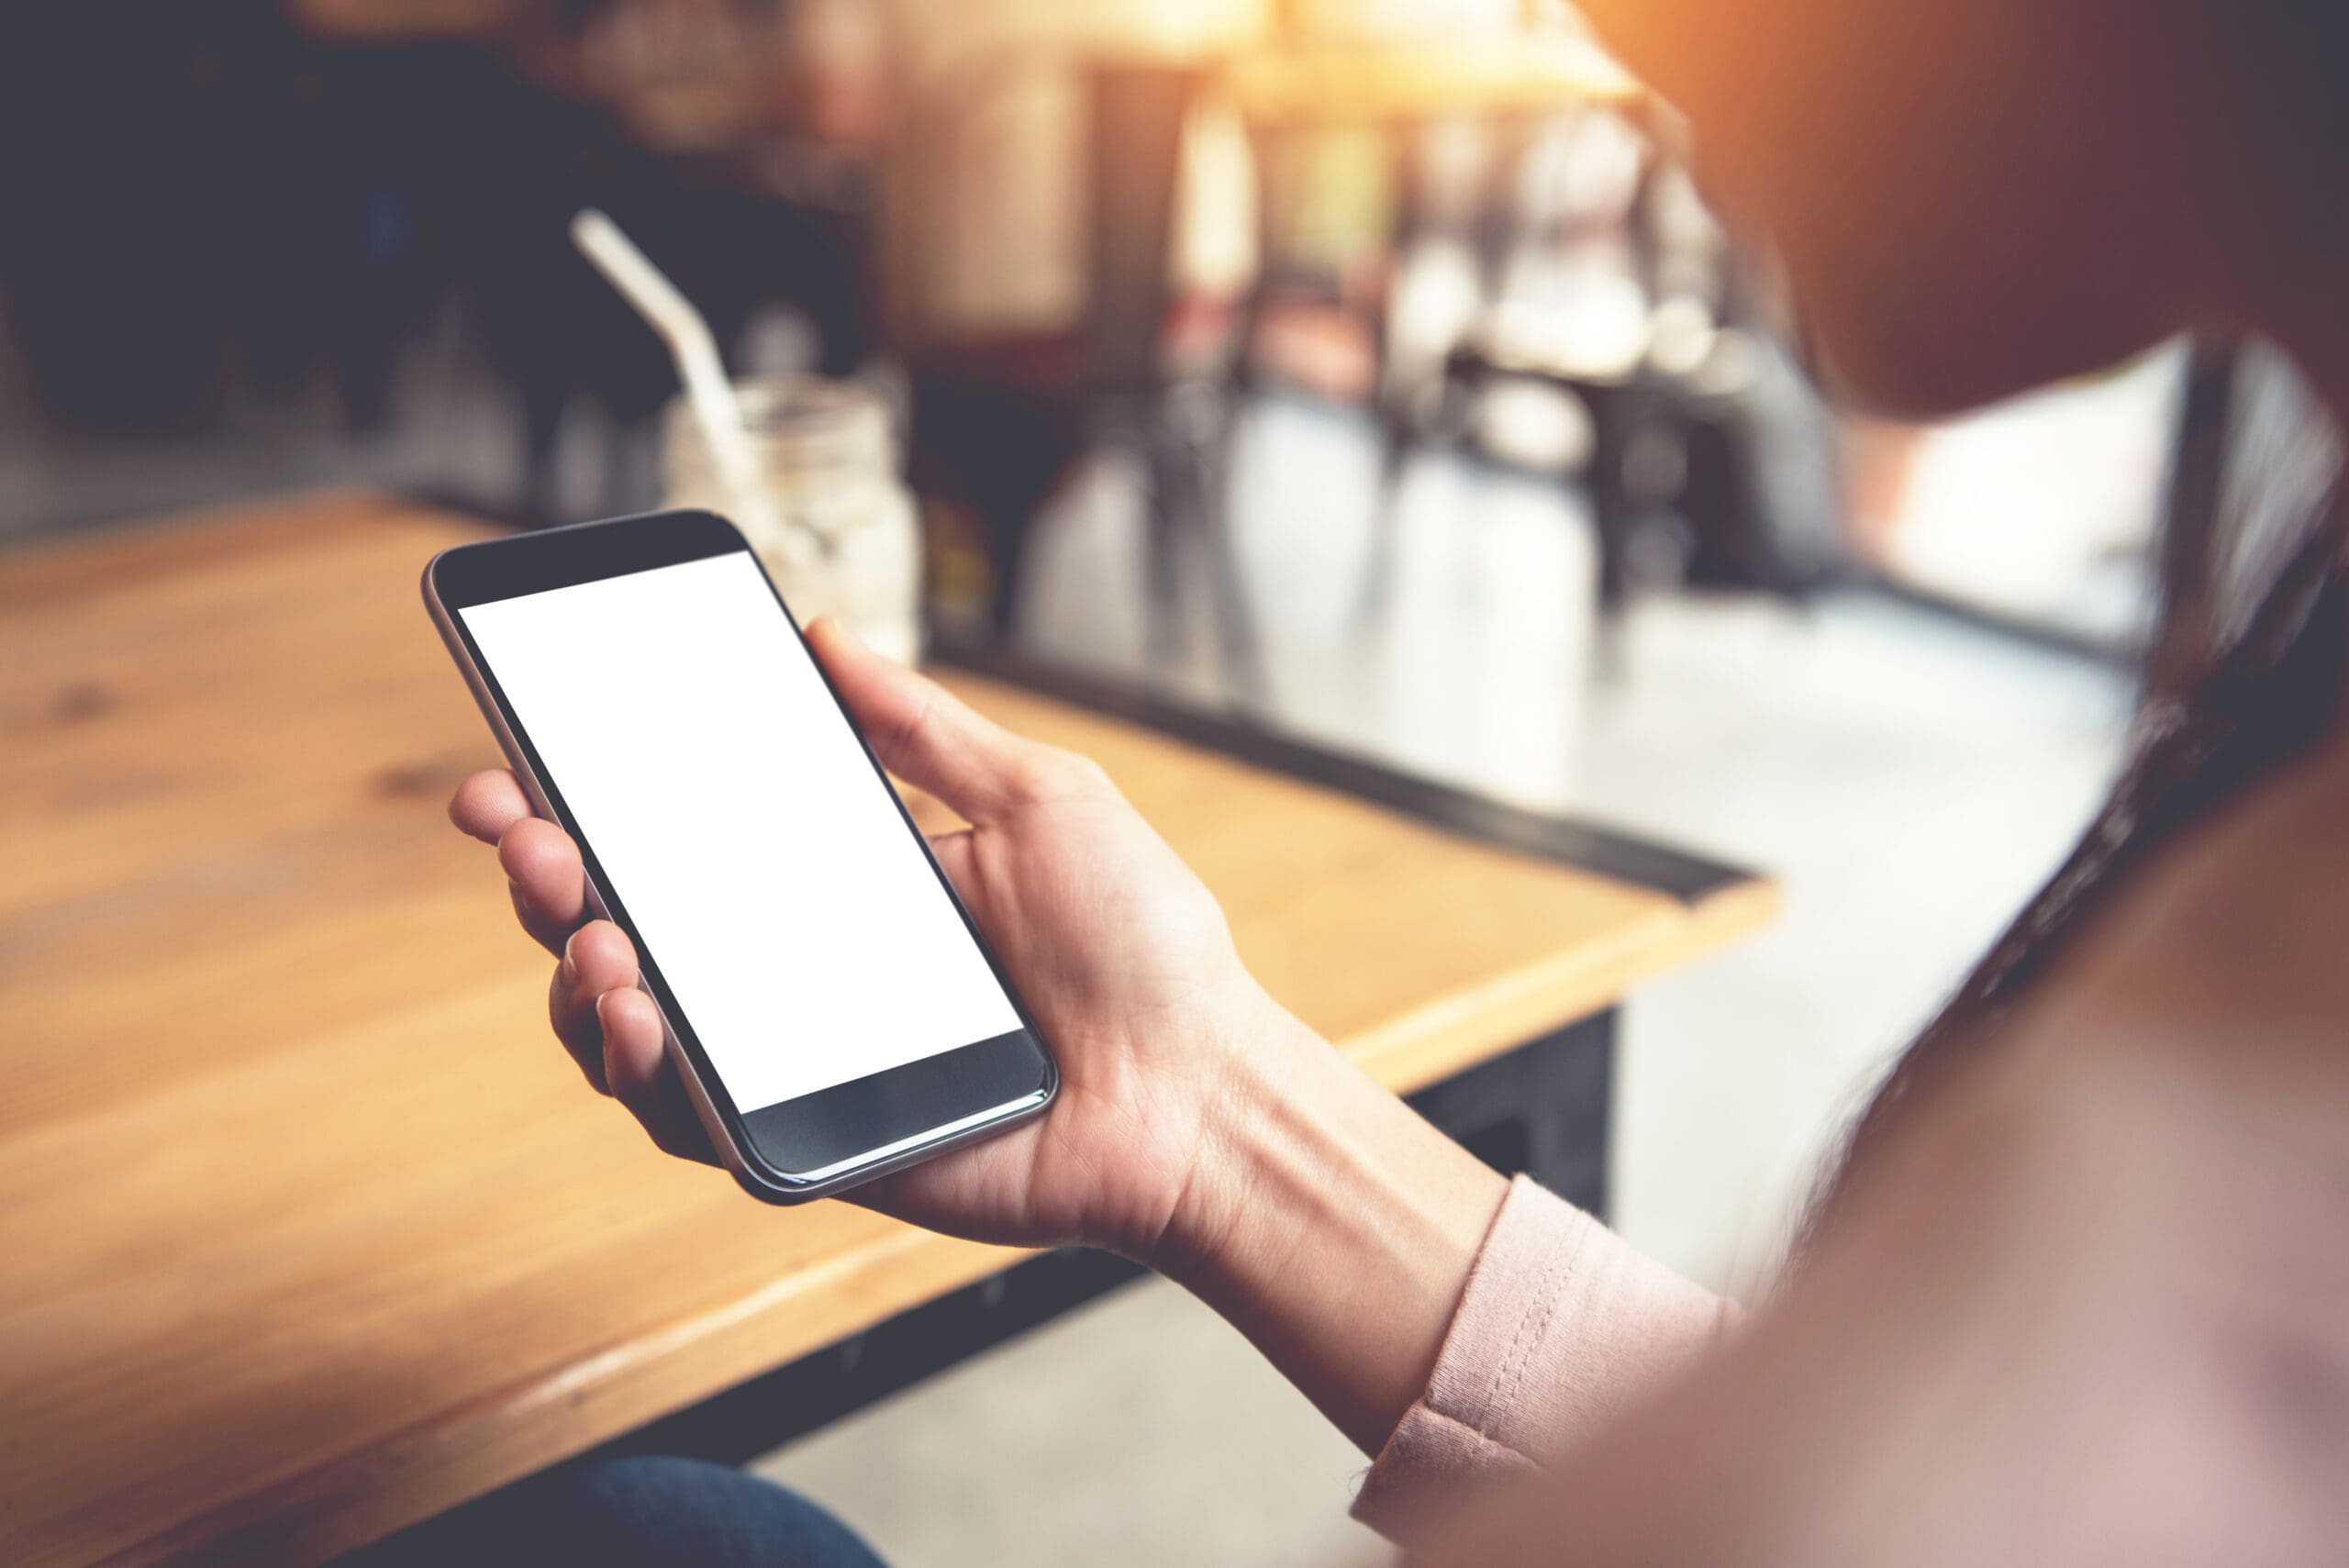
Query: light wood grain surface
x,y
308,1230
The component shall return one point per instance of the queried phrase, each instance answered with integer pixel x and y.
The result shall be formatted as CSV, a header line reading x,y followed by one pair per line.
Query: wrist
x,y
1330,1224
1270,1075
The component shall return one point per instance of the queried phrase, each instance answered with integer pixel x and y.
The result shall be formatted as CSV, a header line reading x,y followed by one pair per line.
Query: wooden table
x,y
308,1229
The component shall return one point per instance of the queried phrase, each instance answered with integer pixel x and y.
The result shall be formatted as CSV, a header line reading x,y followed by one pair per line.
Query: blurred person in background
x,y
2078,1291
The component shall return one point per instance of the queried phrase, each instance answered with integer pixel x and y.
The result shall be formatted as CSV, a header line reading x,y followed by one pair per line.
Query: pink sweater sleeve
x,y
1562,1325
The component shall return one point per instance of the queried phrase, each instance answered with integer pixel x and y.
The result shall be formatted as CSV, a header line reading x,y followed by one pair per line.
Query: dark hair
x,y
2246,673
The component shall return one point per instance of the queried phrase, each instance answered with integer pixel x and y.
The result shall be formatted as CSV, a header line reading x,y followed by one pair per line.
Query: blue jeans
x,y
646,1512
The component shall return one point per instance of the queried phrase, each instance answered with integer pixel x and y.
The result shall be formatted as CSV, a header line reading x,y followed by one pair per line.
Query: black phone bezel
x,y
801,1141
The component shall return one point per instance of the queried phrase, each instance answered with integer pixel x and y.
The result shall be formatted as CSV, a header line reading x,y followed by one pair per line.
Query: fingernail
x,y
570,965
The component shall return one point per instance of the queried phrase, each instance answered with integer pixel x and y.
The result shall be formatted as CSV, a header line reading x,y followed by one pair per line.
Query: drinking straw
x,y
708,392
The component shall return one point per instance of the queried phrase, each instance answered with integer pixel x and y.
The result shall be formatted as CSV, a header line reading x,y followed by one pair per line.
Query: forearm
x,y
1334,1227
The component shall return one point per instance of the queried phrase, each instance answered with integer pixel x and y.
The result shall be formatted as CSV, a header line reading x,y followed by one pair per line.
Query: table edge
x,y
1685,878
1703,906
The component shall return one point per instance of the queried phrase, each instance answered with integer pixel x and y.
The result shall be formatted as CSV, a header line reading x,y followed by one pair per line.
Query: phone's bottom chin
x,y
769,1192
752,1177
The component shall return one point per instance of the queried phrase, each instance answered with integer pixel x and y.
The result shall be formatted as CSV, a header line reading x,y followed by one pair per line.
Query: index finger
x,y
922,732
489,803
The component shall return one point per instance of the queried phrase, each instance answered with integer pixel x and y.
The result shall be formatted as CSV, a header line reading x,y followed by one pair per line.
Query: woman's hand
x,y
1199,1127
1121,953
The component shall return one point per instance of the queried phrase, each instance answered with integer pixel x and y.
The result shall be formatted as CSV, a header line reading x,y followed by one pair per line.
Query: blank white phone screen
x,y
795,918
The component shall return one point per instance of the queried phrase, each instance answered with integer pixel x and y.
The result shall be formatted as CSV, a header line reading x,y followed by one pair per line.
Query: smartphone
x,y
829,1002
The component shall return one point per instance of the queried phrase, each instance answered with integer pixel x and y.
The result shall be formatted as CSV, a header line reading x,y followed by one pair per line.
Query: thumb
x,y
922,732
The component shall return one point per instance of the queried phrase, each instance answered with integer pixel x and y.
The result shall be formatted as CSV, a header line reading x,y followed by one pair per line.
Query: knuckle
x,y
1046,774
537,835
603,945
921,720
1034,778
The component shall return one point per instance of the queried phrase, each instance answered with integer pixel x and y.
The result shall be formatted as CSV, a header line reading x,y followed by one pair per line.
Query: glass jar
x,y
845,539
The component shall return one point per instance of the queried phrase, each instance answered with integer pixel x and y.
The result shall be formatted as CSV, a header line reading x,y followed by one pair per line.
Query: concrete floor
x,y
1907,778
